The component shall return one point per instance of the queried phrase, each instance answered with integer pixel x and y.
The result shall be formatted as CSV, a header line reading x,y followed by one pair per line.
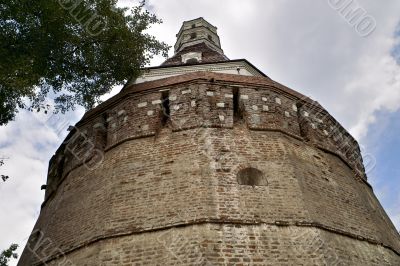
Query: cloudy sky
x,y
307,45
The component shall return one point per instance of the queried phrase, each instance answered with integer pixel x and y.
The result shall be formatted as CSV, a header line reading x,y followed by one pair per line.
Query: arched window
x,y
251,177
192,61
191,58
193,35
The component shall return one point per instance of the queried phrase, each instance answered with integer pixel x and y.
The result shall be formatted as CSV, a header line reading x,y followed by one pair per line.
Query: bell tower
x,y
197,31
197,43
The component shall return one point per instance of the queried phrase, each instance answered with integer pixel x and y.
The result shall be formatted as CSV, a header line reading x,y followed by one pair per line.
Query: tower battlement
x,y
207,102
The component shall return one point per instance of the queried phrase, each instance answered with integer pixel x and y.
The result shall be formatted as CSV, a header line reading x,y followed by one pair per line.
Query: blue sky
x,y
396,48
383,143
306,45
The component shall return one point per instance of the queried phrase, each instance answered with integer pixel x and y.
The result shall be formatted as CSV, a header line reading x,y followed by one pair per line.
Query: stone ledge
x,y
303,224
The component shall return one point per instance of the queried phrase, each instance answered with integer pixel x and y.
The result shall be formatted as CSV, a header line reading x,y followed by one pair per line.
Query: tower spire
x,y
197,42
197,31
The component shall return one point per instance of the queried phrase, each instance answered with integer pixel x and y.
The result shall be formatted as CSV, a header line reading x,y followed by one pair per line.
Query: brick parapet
x,y
204,104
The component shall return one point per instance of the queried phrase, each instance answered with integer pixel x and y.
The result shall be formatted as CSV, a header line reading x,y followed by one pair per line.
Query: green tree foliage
x,y
71,50
3,177
7,254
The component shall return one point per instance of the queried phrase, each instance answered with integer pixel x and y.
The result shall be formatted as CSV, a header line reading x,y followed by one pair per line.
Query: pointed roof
x,y
197,48
200,50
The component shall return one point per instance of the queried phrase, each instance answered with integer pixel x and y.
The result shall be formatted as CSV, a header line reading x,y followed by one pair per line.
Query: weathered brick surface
x,y
219,244
156,182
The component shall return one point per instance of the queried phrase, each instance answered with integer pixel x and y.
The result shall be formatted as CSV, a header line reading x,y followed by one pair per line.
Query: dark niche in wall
x,y
251,177
192,61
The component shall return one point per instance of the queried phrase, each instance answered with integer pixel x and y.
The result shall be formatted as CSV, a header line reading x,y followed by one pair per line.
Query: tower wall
x,y
125,187
216,244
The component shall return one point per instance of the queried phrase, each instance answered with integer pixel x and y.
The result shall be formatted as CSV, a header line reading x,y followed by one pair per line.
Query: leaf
x,y
76,54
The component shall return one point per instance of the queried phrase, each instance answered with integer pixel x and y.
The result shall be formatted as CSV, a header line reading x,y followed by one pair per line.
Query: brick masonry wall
x,y
218,244
123,179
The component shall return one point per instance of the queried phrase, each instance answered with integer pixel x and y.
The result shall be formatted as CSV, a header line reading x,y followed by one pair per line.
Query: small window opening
x,y
193,26
192,61
251,177
210,38
302,122
193,35
166,113
237,113
34,238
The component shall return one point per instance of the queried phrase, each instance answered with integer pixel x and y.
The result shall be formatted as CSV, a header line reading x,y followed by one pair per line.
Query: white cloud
x,y
29,142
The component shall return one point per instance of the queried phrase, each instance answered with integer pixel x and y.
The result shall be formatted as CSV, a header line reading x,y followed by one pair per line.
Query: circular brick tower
x,y
207,161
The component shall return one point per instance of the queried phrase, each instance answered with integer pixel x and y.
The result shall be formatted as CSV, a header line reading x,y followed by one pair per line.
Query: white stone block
x,y
186,91
287,114
278,100
313,126
210,93
255,118
109,119
193,103
145,127
156,102
150,112
221,118
140,105
121,112
265,108
221,105
255,107
172,98
244,97
97,125
306,114
264,99
294,107
176,107
182,122
229,96
326,132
